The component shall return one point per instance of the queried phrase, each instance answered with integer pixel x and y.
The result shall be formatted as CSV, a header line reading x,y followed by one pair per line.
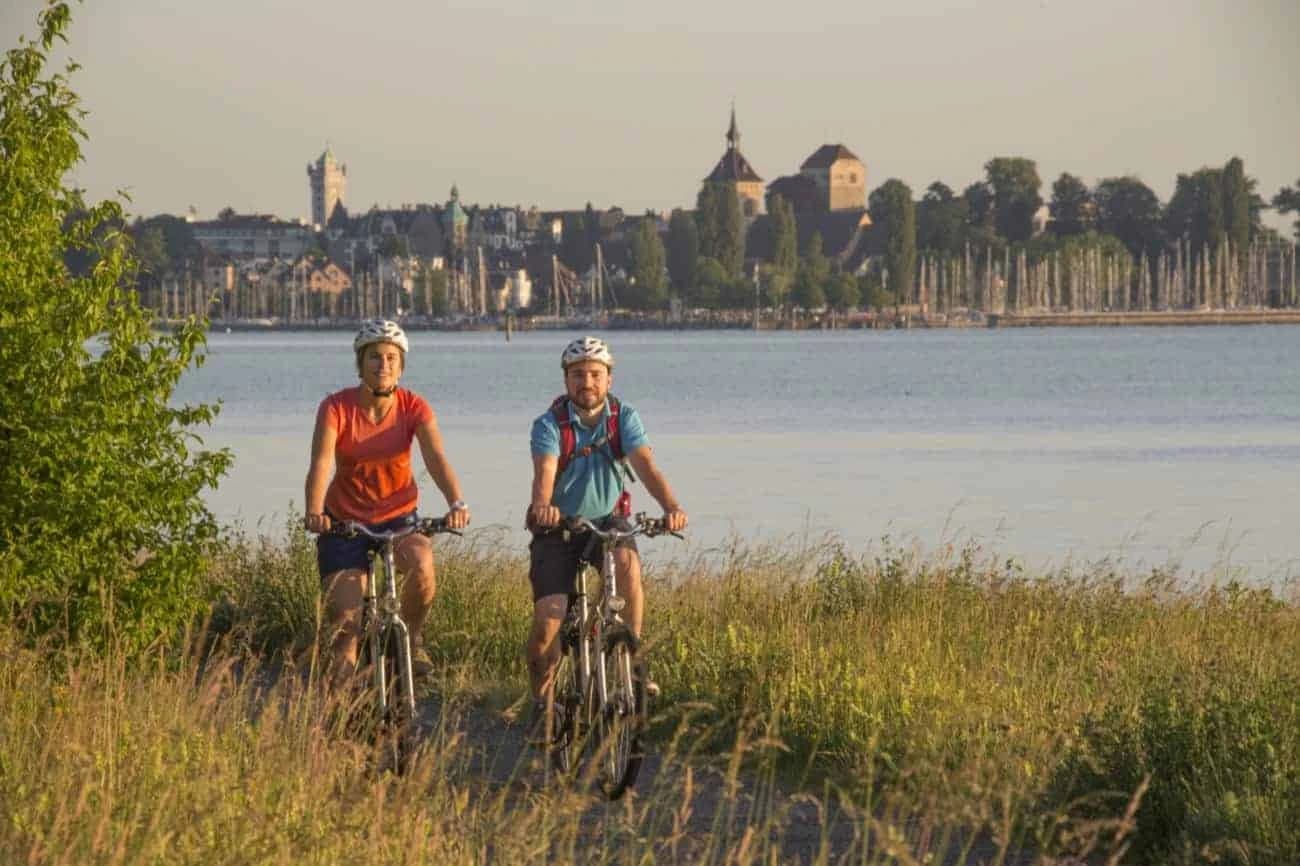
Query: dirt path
x,y
693,810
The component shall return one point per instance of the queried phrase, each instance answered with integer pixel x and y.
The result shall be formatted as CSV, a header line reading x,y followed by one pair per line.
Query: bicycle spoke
x,y
621,718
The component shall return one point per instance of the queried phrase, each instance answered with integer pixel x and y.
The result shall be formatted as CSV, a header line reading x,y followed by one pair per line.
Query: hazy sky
x,y
556,104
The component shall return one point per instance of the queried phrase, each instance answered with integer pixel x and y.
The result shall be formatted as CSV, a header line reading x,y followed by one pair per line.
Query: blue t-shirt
x,y
589,486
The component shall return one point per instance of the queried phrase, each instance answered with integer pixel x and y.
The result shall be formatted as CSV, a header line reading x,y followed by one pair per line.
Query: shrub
x,y
102,531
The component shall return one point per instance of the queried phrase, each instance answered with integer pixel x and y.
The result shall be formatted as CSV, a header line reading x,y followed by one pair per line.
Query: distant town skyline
x,y
214,106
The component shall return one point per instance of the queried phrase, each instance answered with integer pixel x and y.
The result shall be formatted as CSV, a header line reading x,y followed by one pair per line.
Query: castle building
x,y
329,182
733,168
841,178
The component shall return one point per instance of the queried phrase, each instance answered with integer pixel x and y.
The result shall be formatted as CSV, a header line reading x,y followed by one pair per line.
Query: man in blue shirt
x,y
590,485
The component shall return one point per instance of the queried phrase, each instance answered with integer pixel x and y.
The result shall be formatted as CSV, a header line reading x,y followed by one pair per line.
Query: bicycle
x,y
385,637
599,703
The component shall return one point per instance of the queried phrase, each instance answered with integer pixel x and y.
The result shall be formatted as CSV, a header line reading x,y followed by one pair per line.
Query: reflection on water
x,y
1150,445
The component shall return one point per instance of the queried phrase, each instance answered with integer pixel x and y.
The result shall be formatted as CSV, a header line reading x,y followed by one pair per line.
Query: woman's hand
x,y
458,516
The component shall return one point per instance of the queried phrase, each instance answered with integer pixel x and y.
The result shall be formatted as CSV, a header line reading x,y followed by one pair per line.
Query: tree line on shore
x,y
1112,246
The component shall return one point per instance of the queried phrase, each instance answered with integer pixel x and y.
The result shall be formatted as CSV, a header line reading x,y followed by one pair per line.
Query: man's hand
x,y
317,522
543,516
675,519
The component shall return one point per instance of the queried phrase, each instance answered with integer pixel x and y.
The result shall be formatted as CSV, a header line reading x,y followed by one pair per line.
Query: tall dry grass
x,y
942,703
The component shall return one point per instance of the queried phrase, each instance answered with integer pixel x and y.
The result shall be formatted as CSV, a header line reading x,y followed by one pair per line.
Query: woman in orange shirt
x,y
363,438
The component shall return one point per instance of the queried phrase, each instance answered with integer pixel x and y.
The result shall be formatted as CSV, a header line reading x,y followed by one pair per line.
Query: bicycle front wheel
x,y
395,696
621,719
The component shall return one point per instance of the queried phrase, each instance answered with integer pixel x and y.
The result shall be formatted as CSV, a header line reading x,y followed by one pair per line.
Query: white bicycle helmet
x,y
587,349
380,331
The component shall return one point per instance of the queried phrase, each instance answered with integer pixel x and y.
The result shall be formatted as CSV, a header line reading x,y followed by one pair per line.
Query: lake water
x,y
1151,447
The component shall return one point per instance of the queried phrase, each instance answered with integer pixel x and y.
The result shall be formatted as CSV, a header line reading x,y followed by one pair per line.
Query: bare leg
x,y
627,566
343,593
414,557
543,643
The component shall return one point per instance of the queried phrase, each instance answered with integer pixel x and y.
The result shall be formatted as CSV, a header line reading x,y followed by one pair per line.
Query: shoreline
x,y
907,320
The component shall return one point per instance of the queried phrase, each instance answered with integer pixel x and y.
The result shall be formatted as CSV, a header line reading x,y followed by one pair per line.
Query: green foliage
x,y
683,250
439,303
785,235
153,264
706,219
709,281
774,285
1195,211
894,214
979,212
178,238
1015,184
941,220
842,292
578,241
648,284
809,291
722,226
1129,210
1236,205
429,295
1073,210
737,293
1287,201
873,292
102,531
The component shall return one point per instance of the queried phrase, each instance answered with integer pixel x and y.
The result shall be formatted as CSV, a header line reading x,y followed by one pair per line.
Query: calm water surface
x,y
1148,446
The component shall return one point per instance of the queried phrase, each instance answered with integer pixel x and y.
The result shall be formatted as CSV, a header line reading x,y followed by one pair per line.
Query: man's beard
x,y
588,400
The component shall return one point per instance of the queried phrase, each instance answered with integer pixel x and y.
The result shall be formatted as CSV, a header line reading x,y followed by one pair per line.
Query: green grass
x,y
1044,710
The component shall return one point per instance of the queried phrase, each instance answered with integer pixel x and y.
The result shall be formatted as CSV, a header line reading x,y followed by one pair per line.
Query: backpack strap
x,y
569,439
613,430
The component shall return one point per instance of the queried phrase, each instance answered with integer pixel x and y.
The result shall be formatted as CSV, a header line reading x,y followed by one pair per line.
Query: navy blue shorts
x,y
335,553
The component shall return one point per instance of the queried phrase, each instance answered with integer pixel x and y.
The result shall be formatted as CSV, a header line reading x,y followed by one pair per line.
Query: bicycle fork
x,y
385,615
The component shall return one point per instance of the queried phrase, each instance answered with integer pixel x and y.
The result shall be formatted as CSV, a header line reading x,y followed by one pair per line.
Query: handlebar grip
x,y
435,525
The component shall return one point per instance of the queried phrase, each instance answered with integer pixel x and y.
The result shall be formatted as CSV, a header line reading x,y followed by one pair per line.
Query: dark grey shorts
x,y
553,562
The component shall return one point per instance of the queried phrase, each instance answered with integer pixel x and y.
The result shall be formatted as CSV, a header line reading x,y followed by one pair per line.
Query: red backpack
x,y
613,438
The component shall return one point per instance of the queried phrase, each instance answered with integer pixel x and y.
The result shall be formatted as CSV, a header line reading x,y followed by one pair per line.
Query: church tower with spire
x,y
734,169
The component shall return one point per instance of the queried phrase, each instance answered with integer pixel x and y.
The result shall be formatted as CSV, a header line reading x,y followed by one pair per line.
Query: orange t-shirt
x,y
372,479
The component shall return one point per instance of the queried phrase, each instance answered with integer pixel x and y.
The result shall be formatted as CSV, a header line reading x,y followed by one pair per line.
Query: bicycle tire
x,y
564,716
621,722
396,708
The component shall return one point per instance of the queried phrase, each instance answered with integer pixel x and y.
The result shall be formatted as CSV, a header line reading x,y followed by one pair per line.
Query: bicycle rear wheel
x,y
621,720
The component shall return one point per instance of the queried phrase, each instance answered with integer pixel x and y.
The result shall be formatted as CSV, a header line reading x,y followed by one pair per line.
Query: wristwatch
x,y
459,505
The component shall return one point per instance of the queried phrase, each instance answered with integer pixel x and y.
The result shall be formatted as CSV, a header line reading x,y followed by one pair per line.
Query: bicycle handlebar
x,y
425,526
642,525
